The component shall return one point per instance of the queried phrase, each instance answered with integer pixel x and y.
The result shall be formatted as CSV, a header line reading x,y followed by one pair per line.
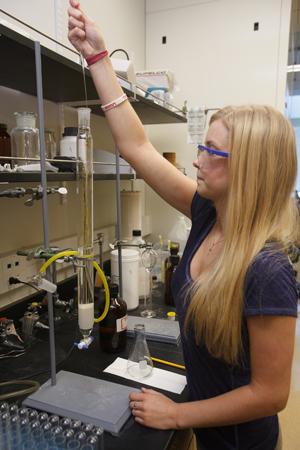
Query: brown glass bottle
x,y
170,267
5,148
112,329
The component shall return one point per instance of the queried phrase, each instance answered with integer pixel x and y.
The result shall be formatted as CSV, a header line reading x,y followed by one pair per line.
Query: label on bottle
x,y
121,324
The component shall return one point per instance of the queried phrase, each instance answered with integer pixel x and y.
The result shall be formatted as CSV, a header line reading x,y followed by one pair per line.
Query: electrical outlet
x,y
11,267
17,267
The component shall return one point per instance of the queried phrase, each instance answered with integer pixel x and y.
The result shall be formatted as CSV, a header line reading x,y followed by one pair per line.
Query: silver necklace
x,y
212,246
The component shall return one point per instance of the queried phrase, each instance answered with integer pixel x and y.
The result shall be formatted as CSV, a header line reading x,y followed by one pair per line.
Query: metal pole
x,y
119,225
41,121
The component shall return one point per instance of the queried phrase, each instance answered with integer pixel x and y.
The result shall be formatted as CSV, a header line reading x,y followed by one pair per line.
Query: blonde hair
x,y
260,208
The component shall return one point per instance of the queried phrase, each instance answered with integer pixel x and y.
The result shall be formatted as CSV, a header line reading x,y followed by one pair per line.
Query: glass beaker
x,y
139,363
25,138
149,257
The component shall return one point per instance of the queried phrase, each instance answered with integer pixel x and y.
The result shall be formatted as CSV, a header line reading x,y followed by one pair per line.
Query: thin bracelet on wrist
x,y
114,103
95,58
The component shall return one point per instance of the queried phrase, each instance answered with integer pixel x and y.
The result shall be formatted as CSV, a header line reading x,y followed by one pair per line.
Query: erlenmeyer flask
x,y
139,363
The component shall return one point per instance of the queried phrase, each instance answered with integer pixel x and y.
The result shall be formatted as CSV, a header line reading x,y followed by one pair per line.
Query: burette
x,y
85,270
84,256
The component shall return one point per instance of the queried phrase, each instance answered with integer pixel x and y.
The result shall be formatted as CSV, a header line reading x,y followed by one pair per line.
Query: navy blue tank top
x,y
270,289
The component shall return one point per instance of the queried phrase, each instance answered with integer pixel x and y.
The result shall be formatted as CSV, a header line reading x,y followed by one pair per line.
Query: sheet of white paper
x,y
162,379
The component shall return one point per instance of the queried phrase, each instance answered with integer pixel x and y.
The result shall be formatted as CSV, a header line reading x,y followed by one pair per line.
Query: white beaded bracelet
x,y
114,103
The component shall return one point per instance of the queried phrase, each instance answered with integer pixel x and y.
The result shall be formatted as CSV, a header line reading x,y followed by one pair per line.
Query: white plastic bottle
x,y
144,282
68,143
179,233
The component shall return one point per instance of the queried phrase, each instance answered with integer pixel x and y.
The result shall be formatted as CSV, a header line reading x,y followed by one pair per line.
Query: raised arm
x,y
127,130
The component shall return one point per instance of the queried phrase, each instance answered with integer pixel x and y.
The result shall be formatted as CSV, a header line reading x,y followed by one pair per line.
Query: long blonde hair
x,y
260,208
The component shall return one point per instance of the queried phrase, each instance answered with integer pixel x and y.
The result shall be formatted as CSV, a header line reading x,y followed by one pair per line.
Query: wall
x,y
296,125
217,59
124,26
293,77
293,113
215,54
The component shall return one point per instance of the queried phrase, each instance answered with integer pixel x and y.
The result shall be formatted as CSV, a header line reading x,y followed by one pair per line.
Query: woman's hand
x,y
84,34
152,409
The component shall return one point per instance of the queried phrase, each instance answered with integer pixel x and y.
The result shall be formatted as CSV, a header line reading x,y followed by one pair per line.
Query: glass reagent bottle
x,y
113,328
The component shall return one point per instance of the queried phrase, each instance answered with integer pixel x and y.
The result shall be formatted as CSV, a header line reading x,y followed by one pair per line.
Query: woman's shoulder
x,y
200,206
270,286
271,261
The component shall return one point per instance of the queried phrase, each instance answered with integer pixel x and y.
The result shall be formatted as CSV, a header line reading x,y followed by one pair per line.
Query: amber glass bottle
x,y
5,148
170,267
112,330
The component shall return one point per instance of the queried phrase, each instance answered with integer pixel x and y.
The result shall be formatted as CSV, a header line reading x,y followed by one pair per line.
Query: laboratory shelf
x,y
63,79
9,177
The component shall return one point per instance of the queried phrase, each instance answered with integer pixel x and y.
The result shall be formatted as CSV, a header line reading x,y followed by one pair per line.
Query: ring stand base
x,y
99,402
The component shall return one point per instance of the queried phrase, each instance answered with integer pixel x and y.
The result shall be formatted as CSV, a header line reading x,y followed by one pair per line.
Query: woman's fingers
x,y
74,3
75,23
137,413
150,391
76,13
139,397
76,33
136,396
136,405
137,410
77,38
139,420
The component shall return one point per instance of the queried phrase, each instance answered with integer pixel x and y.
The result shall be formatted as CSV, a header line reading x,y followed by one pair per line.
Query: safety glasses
x,y
211,152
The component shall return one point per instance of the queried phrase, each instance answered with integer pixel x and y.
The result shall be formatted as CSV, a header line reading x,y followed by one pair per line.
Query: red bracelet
x,y
95,58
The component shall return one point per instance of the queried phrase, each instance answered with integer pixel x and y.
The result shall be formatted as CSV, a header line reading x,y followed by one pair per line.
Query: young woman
x,y
235,288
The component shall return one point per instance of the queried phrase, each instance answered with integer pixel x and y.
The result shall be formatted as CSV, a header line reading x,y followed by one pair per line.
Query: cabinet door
x,y
46,16
122,22
36,13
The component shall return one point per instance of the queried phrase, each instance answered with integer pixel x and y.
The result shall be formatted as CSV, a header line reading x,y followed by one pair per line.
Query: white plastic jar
x,y
68,143
130,275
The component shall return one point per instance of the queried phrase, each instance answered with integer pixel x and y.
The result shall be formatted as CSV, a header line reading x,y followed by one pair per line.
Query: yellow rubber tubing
x,y
96,266
107,296
57,256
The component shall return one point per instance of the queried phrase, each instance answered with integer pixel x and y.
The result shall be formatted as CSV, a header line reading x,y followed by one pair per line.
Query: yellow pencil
x,y
168,363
